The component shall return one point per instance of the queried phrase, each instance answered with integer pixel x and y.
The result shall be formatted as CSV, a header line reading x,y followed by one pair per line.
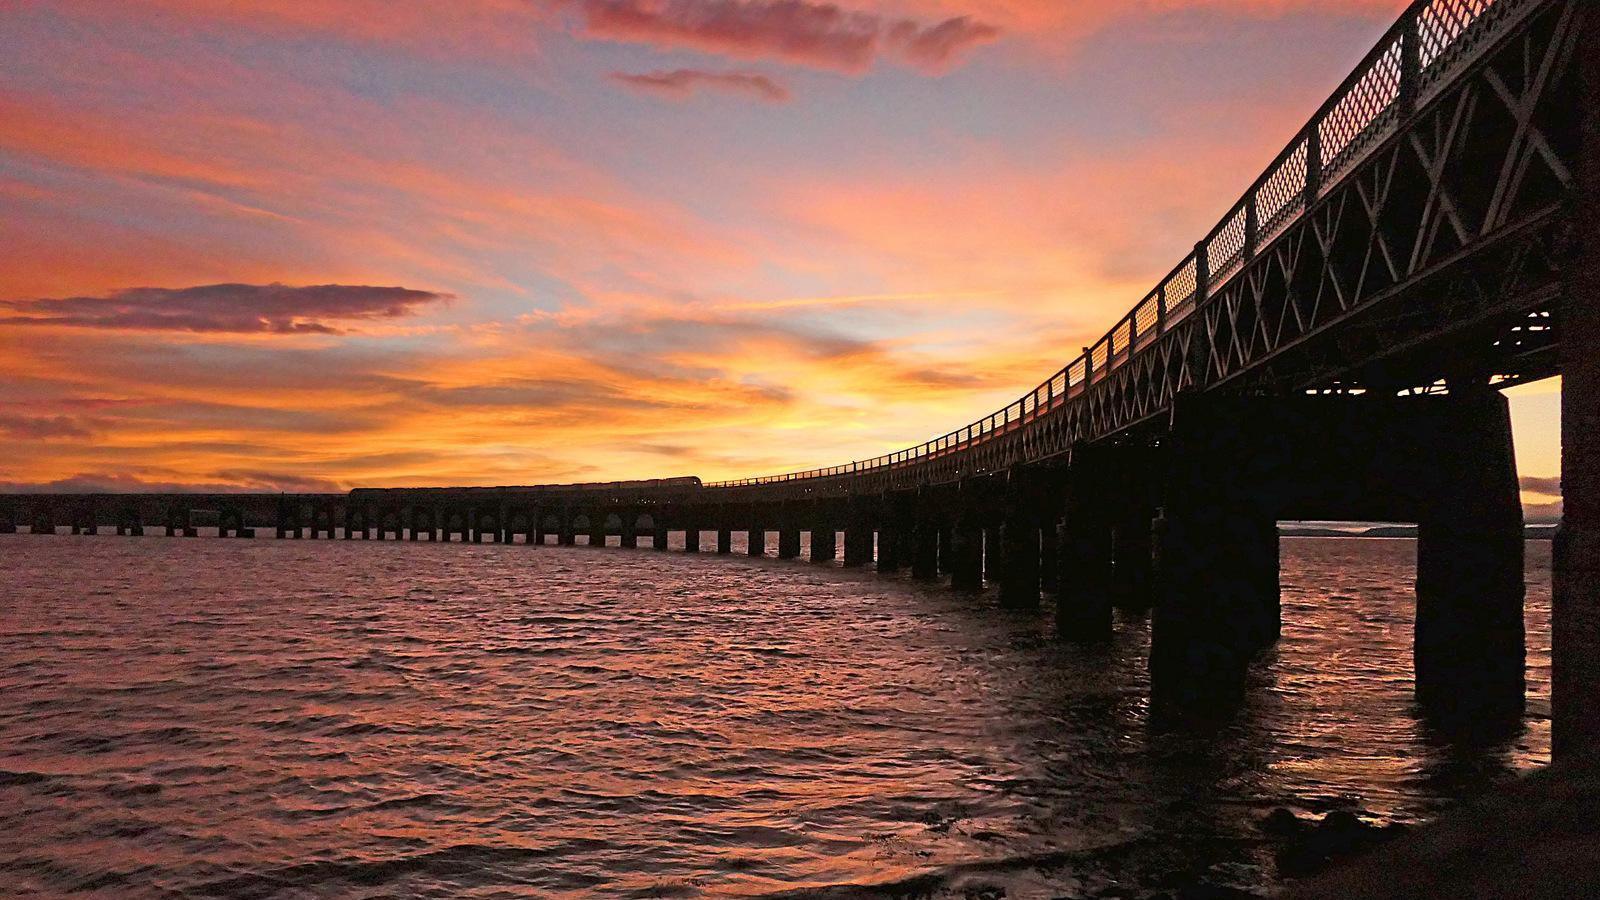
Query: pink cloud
x,y
682,83
804,32
225,308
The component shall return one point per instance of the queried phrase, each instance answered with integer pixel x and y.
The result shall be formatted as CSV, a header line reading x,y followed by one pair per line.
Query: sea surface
x,y
314,718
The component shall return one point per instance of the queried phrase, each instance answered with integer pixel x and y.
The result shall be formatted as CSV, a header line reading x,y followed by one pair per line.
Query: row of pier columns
x,y
1186,524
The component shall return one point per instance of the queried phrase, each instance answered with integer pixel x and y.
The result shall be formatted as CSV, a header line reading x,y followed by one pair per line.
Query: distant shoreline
x,y
1531,532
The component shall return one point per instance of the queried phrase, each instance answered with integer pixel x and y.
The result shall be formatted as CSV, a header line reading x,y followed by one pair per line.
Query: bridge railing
x,y
1420,54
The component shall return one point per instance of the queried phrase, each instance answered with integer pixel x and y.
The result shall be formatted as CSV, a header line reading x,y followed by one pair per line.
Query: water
x,y
279,718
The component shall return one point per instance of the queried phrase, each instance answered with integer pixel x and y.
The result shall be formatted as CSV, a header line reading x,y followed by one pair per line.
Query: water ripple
x,y
265,719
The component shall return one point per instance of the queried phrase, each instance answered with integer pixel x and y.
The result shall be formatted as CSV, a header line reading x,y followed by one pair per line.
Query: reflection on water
x,y
261,718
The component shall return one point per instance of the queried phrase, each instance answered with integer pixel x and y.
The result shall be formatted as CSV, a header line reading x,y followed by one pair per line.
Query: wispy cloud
x,y
682,83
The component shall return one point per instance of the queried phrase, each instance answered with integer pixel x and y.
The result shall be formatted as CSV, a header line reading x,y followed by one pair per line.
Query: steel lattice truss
x,y
1412,235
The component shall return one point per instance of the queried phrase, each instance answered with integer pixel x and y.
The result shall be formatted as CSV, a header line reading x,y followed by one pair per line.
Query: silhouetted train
x,y
645,485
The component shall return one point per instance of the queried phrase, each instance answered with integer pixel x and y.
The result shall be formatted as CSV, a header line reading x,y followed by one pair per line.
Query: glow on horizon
x,y
569,240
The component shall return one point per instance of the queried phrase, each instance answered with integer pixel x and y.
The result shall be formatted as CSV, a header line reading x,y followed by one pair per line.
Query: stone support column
x,y
966,558
924,551
1575,675
1083,602
788,543
1469,649
858,544
1019,583
824,544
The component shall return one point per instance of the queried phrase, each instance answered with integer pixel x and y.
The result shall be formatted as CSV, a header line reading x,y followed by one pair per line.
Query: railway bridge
x,y
1334,348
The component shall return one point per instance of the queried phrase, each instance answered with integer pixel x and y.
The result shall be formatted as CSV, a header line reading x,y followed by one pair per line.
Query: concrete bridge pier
x,y
1469,648
1019,582
1133,559
1049,558
658,539
1229,467
421,521
966,552
630,532
129,522
724,541
288,522
322,520
8,519
788,543
691,540
597,530
178,522
1236,466
858,543
1575,671
1208,622
230,523
756,542
1083,600
924,551
1265,566
43,521
355,522
824,544
894,533
888,548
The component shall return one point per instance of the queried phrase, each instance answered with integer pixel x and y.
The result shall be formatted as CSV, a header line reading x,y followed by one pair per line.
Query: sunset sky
x,y
270,245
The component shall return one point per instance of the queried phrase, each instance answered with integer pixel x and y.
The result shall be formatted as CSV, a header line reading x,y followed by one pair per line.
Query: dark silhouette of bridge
x,y
1333,349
